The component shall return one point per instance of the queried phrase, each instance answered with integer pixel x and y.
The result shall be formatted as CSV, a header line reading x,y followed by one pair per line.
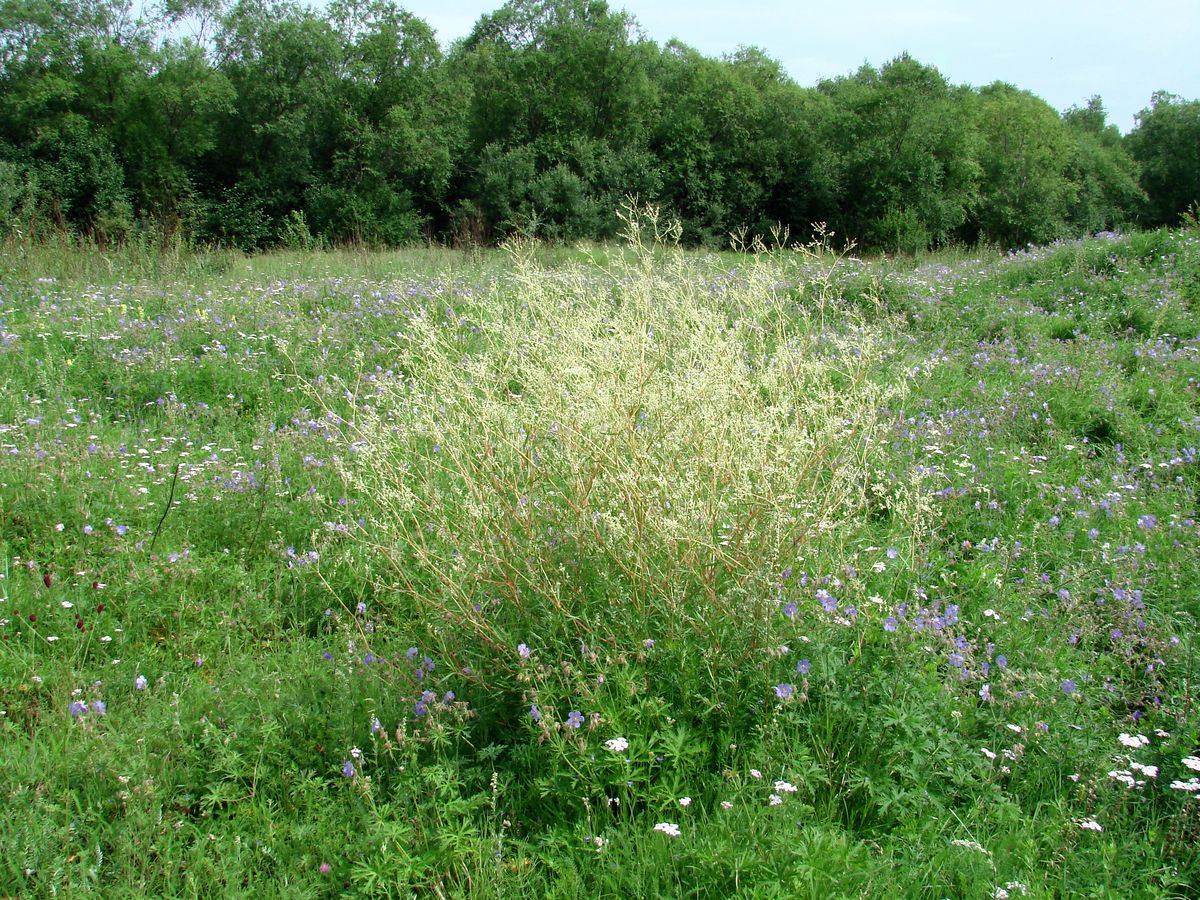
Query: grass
x,y
865,575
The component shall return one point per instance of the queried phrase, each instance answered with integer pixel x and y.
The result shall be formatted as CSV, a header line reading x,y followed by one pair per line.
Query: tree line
x,y
258,123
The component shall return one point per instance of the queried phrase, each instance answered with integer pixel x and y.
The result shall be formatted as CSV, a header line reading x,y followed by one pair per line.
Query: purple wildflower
x,y
783,691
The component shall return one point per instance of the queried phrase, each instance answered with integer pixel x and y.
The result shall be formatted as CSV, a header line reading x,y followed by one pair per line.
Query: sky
x,y
1062,50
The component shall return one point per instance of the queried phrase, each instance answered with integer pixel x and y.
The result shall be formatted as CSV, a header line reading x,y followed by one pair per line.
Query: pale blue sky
x,y
1062,51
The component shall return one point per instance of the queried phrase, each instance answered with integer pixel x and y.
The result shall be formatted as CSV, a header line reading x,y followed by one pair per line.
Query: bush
x,y
591,501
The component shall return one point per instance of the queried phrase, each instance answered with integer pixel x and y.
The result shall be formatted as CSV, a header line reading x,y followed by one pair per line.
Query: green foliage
x,y
907,153
217,122
1105,175
1024,155
18,199
1166,142
484,573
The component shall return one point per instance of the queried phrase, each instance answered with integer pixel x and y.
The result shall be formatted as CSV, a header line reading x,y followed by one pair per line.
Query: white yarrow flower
x,y
669,828
617,745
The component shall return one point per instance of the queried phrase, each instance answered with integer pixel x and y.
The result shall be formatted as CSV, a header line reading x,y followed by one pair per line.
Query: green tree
x,y
1107,194
64,67
165,126
285,66
560,98
731,137
1166,141
1025,151
399,133
907,155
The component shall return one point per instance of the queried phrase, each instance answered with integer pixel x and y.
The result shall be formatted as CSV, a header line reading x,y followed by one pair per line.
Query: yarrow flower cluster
x,y
1192,785
1009,888
668,828
1133,741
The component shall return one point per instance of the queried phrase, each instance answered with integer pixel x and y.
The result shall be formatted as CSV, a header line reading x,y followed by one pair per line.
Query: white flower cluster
x,y
1133,741
970,845
1010,888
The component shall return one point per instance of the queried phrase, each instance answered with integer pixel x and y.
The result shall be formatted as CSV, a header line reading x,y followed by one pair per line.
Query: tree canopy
x,y
259,122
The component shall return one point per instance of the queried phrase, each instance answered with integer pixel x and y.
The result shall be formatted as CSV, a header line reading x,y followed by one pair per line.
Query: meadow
x,y
621,571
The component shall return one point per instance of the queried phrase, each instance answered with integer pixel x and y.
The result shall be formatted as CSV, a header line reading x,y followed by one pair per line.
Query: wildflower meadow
x,y
618,571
